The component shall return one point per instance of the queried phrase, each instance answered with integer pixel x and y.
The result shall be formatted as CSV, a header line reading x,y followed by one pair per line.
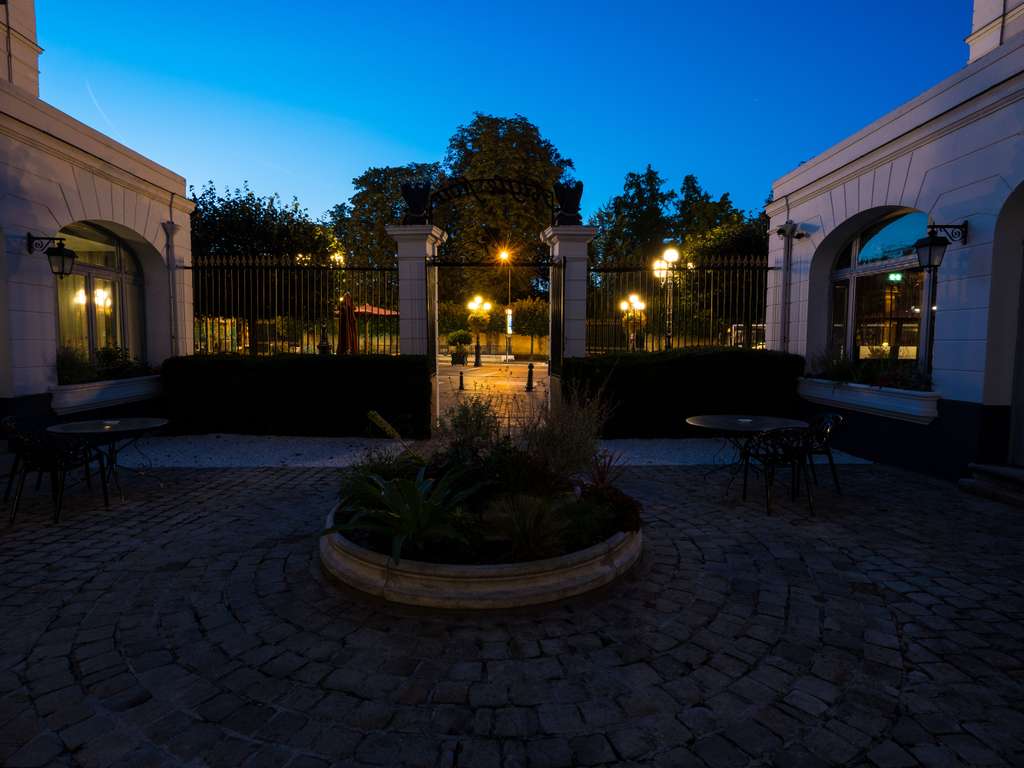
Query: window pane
x,y
844,261
106,306
840,307
72,320
893,238
888,320
91,246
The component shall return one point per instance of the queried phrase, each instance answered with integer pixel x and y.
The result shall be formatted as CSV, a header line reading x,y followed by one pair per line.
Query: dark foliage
x,y
652,394
297,394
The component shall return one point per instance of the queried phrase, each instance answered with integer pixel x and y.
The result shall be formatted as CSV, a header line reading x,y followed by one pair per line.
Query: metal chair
x,y
782,448
36,450
820,444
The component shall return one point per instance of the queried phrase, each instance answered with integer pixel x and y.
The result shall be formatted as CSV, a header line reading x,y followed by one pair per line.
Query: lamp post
x,y
664,271
479,315
632,309
931,249
506,258
61,258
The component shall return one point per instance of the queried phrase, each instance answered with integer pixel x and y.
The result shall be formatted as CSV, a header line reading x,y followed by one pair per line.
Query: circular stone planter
x,y
478,586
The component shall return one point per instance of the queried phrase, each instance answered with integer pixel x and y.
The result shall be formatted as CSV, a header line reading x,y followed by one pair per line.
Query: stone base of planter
x,y
478,586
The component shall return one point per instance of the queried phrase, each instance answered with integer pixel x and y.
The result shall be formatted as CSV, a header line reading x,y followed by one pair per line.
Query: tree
x,y
634,225
531,317
697,213
479,226
360,224
238,224
238,232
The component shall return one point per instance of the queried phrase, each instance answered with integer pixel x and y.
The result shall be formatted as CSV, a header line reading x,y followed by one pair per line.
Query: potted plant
x,y
459,339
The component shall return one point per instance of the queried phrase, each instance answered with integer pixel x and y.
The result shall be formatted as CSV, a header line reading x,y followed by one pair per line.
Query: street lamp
x,y
930,251
61,258
506,258
479,310
664,271
632,308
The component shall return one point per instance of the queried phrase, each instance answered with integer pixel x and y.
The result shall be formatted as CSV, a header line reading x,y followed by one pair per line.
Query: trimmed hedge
x,y
652,394
297,394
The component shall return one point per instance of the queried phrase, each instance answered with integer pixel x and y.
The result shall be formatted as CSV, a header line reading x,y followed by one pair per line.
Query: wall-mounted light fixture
x,y
61,258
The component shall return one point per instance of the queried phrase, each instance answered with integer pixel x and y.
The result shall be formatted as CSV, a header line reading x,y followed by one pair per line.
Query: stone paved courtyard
x,y
191,626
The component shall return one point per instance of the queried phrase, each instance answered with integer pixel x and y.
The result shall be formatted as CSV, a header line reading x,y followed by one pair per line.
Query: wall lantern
x,y
61,258
932,248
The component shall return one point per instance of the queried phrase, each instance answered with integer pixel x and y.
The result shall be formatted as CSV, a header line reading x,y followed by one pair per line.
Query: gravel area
x,y
254,452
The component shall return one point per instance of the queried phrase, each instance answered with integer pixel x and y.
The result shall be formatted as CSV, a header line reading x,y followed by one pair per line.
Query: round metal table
x,y
740,430
105,434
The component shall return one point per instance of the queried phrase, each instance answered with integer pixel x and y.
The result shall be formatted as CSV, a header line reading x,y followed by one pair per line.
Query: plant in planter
x,y
75,367
875,372
459,339
488,497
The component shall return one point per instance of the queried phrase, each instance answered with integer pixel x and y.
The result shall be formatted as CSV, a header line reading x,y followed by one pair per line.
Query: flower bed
x,y
488,519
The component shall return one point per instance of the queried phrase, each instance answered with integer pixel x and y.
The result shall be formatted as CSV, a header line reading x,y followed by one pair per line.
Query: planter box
x,y
478,586
72,398
904,404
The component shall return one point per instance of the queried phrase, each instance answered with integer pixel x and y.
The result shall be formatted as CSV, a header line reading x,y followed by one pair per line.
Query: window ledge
x,y
72,398
904,404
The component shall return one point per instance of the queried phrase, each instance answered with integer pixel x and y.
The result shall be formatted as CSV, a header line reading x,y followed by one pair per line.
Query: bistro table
x,y
104,435
740,430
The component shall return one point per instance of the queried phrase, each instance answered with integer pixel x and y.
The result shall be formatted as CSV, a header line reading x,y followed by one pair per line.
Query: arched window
x,y
878,291
100,303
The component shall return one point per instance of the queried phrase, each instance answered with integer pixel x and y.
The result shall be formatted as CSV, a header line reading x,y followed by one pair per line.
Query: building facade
x,y
849,294
126,218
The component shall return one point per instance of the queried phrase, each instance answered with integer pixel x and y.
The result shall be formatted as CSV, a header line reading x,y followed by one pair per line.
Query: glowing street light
x,y
664,271
632,308
479,309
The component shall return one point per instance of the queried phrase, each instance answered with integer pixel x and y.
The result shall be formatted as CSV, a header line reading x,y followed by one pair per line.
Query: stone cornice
x,y
992,26
157,185
865,164
977,79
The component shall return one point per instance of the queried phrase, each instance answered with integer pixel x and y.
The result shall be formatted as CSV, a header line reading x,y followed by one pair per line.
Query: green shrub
x,y
75,367
297,394
460,339
877,372
409,513
564,437
652,394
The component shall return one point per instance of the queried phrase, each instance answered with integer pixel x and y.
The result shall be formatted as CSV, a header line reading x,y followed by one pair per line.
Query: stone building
x,y
849,287
126,218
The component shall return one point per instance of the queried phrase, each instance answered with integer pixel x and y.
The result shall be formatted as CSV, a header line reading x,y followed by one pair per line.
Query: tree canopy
x,y
239,224
635,226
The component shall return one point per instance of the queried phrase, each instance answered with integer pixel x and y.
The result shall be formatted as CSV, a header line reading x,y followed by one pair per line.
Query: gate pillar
x,y
568,297
417,244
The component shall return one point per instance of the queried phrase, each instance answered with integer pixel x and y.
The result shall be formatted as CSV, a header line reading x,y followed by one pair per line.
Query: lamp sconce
x,y
61,258
957,233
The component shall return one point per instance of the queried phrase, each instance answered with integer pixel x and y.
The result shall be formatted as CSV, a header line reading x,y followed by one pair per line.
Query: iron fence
x,y
710,305
263,306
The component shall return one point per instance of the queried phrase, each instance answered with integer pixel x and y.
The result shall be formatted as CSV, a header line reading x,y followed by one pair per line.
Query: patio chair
x,y
820,444
778,449
36,450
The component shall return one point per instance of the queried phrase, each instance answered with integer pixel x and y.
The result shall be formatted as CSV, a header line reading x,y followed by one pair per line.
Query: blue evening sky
x,y
299,97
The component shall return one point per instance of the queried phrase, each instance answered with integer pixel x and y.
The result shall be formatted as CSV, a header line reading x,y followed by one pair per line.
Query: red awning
x,y
369,309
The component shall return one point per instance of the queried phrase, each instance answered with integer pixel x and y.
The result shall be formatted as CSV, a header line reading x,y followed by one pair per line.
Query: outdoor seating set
x,y
769,444
43,446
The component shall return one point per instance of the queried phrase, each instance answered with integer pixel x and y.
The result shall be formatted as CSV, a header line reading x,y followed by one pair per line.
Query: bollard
x,y
462,384
529,378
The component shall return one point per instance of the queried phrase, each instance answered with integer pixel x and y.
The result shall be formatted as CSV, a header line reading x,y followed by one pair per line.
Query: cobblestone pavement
x,y
191,626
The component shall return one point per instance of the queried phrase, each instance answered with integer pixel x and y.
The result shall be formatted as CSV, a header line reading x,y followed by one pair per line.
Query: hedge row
x,y
652,394
297,394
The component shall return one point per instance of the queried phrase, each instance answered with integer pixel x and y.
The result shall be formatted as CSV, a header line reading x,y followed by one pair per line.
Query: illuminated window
x,y
878,292
99,306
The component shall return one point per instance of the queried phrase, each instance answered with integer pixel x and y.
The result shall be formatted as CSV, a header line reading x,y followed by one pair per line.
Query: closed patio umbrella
x,y
348,334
